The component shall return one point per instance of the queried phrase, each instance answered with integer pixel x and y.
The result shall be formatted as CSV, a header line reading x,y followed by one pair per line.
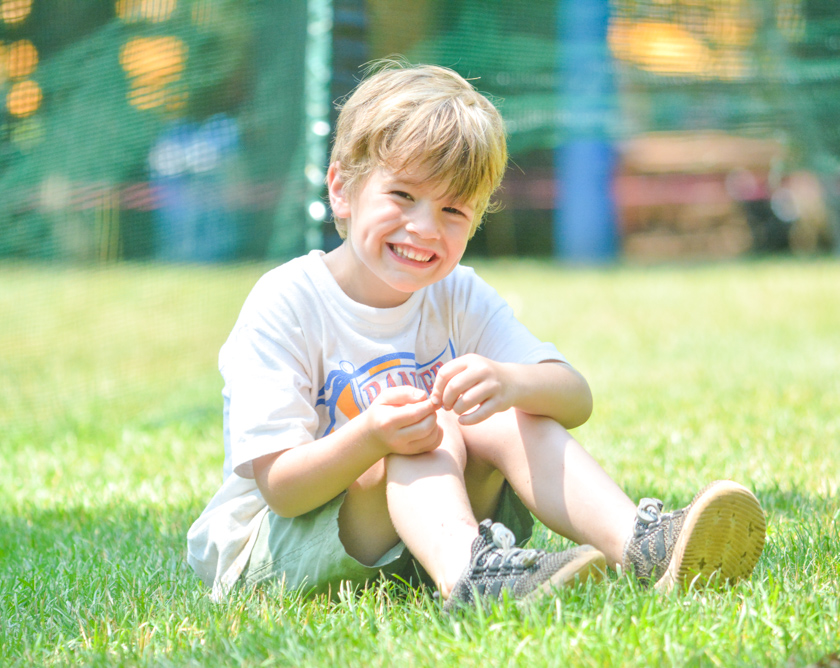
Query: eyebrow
x,y
393,180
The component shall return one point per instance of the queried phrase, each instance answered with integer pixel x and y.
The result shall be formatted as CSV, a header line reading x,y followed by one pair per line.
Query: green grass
x,y
110,445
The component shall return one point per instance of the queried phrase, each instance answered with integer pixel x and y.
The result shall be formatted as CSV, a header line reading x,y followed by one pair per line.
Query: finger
x,y
405,415
418,430
400,396
444,375
480,414
428,442
457,387
471,398
411,414
426,425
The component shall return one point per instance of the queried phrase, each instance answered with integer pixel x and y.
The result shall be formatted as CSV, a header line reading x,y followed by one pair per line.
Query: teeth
x,y
410,254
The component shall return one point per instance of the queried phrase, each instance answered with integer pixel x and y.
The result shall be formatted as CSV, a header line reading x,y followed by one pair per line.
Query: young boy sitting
x,y
384,408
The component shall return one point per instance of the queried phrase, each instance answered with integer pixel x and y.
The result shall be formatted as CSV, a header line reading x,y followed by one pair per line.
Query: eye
x,y
402,194
453,210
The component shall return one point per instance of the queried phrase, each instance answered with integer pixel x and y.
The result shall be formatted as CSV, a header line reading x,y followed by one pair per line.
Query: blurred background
x,y
197,131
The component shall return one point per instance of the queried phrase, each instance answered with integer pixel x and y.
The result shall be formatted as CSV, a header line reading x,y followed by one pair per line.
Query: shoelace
x,y
648,515
504,552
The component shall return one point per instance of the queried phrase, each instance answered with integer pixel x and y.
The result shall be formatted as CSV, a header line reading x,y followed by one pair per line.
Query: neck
x,y
353,277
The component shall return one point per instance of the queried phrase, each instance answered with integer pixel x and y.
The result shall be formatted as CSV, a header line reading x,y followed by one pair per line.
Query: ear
x,y
339,201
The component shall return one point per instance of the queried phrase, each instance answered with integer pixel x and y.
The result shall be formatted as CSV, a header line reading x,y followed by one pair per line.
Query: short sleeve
x,y
486,325
269,393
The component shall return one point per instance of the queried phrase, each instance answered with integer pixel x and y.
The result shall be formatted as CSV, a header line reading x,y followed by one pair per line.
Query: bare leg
x,y
425,500
431,503
556,479
364,525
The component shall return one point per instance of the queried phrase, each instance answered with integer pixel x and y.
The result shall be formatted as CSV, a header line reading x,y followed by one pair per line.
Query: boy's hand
x,y
402,420
472,381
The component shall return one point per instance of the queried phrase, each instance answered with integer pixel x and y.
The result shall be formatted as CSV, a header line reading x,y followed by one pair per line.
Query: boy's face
x,y
403,234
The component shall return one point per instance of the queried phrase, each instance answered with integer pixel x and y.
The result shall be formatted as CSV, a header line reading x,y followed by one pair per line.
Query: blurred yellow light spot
x,y
658,47
15,11
154,65
145,10
156,57
24,98
22,59
709,40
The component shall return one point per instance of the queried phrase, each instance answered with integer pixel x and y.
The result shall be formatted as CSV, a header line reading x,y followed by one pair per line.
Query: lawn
x,y
110,443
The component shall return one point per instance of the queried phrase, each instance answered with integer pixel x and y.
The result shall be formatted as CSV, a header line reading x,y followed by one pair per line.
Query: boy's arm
x,y
402,420
552,389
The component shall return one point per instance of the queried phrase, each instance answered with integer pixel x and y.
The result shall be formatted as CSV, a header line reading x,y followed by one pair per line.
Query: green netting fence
x,y
156,156
197,130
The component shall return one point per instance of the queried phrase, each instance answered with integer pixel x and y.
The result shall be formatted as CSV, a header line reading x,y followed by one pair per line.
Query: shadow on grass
x,y
129,532
70,562
803,535
71,573
79,577
66,570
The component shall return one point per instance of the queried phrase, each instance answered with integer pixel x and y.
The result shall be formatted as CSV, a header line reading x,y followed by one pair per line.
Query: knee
x,y
507,436
516,424
451,453
444,457
452,446
539,425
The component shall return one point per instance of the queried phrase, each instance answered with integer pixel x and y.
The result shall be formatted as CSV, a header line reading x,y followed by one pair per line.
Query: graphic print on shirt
x,y
351,390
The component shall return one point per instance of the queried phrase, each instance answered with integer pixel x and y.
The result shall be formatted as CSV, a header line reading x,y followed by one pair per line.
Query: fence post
x,y
585,222
316,91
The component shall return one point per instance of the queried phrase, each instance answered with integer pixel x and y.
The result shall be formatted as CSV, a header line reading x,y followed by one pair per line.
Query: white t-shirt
x,y
303,359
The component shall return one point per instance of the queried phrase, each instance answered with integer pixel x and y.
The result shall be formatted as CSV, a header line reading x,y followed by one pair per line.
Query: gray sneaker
x,y
718,536
497,566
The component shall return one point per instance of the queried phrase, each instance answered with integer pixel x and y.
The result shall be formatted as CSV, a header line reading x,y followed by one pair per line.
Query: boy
x,y
384,408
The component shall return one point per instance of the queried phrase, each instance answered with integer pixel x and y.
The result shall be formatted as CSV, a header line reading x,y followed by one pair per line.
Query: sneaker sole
x,y
589,564
721,539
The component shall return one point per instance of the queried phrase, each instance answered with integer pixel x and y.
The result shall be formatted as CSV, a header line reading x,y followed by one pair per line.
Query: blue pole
x,y
585,222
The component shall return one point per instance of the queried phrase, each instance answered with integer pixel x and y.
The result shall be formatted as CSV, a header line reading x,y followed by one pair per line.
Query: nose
x,y
424,222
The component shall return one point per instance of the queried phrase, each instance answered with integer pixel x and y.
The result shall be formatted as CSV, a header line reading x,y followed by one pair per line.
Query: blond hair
x,y
424,118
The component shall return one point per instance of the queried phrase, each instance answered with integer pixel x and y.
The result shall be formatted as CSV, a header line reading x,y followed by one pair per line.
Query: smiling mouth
x,y
413,254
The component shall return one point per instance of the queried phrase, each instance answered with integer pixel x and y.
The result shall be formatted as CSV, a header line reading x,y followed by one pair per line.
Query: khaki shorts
x,y
306,552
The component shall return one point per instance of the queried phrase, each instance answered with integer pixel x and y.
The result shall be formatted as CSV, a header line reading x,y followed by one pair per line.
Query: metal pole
x,y
316,92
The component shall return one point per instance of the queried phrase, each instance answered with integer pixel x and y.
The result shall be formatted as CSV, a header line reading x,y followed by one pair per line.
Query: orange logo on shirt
x,y
351,390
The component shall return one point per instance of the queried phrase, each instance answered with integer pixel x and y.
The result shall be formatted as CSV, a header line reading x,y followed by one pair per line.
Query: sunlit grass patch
x,y
110,443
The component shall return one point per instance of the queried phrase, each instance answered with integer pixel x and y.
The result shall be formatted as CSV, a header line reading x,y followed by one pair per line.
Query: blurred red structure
x,y
701,195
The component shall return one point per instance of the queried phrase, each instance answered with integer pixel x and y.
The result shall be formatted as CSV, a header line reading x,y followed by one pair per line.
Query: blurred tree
x,y
111,82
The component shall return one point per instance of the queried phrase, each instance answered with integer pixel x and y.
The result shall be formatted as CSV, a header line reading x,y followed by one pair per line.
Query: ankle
x,y
453,561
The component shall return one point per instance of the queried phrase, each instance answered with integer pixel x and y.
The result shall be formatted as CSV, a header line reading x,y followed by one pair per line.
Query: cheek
x,y
366,238
458,239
